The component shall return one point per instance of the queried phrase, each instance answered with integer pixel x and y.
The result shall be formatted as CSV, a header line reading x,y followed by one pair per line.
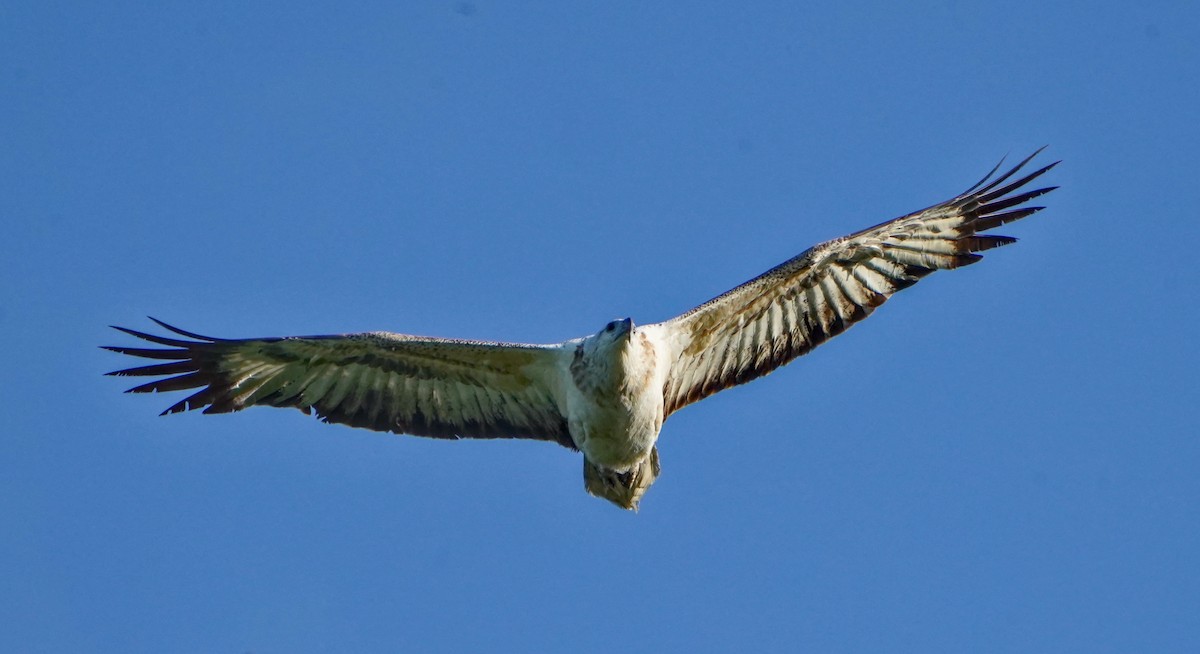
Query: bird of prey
x,y
606,394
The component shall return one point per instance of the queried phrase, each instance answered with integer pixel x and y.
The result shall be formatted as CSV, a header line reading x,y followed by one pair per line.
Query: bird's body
x,y
615,410
608,394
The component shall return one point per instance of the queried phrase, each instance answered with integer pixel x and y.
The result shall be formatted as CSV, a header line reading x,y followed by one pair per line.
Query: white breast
x,y
616,424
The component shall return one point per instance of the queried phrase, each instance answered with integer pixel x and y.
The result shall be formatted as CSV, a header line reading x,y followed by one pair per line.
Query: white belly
x,y
616,437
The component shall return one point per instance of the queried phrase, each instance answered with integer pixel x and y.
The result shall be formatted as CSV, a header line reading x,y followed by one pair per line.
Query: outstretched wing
x,y
794,307
386,382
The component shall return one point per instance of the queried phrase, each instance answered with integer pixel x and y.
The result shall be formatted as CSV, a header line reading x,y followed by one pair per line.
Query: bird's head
x,y
610,340
616,330
599,358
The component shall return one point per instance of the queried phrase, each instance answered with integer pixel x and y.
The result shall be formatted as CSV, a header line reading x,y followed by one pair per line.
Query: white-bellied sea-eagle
x,y
606,394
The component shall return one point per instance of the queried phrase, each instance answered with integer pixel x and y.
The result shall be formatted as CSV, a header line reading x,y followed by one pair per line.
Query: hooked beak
x,y
625,327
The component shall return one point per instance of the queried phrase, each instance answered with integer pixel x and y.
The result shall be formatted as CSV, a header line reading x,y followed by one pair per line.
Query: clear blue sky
x,y
1005,458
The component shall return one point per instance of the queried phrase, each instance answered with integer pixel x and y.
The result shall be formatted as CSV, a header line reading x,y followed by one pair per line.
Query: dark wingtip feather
x,y
178,407
990,193
197,400
190,380
981,188
992,221
183,332
173,368
148,353
1021,198
161,340
986,177
966,259
985,242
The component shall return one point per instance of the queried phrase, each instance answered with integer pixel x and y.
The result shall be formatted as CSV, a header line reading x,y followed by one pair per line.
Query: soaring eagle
x,y
606,394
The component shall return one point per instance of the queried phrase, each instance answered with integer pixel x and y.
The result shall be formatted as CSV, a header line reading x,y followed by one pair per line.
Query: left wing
x,y
794,307
442,388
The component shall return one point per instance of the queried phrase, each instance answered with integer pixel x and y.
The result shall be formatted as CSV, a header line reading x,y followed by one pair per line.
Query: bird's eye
x,y
610,327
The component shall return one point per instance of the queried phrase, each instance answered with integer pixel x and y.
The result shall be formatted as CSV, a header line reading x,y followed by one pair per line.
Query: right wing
x,y
442,388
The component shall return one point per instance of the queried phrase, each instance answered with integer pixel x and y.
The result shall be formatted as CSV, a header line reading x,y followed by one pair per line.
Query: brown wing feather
x,y
794,307
440,388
